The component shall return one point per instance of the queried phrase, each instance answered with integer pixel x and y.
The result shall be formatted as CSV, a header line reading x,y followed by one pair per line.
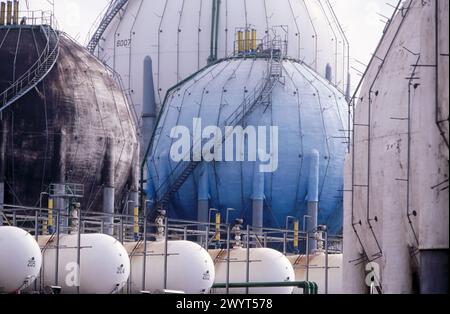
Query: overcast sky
x,y
362,21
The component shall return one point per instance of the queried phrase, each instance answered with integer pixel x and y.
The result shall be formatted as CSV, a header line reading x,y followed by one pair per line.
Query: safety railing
x,y
36,73
112,11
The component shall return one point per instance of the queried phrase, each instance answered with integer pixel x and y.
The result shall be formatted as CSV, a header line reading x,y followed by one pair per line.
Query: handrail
x,y
112,11
36,72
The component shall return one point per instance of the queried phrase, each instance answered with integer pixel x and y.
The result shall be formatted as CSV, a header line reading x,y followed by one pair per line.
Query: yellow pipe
x,y
296,234
8,12
253,39
50,212
2,13
240,41
136,220
217,227
248,40
16,13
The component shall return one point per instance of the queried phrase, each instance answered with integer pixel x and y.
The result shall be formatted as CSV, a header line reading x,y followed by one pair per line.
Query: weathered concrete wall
x,y
398,172
59,131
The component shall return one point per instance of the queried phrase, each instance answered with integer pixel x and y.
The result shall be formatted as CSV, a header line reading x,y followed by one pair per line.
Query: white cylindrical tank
x,y
317,271
20,259
266,265
189,267
104,264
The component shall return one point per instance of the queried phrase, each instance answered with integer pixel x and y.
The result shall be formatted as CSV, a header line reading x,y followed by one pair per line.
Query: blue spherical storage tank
x,y
305,114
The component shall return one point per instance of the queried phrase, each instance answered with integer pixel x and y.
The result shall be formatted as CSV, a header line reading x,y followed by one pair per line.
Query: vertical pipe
x,y
254,45
203,198
313,197
8,12
108,188
149,106
16,13
307,257
247,274
240,41
166,250
296,230
326,262
58,233
258,199
36,237
3,139
78,250
218,221
248,40
133,215
50,216
228,261
144,257
136,223
2,13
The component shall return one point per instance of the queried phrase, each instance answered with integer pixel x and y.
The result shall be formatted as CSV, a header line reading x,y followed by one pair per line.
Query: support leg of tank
x,y
203,200
108,209
258,199
202,216
313,199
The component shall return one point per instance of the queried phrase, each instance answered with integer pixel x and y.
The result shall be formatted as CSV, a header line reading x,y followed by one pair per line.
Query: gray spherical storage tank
x,y
74,126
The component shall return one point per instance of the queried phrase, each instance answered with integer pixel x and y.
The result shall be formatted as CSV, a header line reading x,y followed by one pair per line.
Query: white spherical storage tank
x,y
104,264
190,268
177,35
20,259
266,265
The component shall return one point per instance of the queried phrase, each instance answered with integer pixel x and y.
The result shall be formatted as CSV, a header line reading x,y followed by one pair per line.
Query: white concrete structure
x,y
396,200
190,269
20,259
266,265
104,264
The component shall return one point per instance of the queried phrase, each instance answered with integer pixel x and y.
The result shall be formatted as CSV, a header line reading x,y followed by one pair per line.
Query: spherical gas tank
x,y
177,36
104,266
266,265
190,268
272,152
66,128
20,259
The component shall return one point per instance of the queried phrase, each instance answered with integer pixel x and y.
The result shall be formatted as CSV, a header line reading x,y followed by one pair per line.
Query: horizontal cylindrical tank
x,y
266,265
104,264
20,259
316,272
189,267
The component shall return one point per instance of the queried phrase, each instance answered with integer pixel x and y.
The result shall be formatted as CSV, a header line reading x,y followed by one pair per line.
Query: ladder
x,y
112,11
261,95
37,72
